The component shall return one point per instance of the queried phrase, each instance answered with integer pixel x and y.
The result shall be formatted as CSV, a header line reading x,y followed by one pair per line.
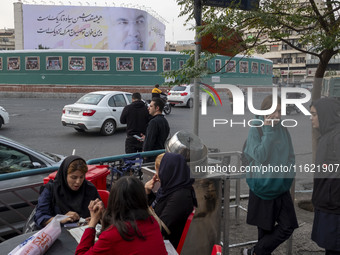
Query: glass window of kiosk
x,y
76,63
54,63
32,63
230,66
148,64
13,63
166,64
124,64
244,67
100,64
254,67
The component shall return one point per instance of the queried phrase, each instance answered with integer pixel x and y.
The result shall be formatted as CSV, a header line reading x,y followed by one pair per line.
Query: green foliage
x,y
315,22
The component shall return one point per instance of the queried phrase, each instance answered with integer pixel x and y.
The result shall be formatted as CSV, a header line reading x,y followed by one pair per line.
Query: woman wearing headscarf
x,y
326,191
69,194
175,199
270,206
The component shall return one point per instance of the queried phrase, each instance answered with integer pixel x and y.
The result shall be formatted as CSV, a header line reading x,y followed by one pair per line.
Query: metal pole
x,y
226,215
289,250
198,18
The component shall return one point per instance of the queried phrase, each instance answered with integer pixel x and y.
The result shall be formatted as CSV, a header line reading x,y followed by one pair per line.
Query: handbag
x,y
160,222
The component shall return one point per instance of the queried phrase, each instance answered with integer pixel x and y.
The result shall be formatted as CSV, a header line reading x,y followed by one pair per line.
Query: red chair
x,y
217,250
104,195
185,232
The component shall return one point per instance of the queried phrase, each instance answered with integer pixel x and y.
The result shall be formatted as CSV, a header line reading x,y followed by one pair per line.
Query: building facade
x,y
7,39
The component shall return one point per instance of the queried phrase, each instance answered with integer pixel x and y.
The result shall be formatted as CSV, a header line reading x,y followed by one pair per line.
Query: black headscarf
x,y
328,110
174,174
68,200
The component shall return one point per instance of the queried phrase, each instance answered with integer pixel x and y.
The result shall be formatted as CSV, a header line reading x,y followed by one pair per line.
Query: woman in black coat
x,y
326,191
175,199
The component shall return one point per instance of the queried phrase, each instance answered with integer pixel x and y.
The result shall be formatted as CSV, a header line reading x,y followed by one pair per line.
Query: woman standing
x,y
68,194
326,191
127,227
270,206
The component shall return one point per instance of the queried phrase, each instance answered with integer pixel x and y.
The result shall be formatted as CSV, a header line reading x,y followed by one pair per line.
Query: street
x,y
36,123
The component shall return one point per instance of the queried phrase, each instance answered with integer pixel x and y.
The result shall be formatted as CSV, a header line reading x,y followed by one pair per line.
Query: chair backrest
x,y
217,250
185,232
104,195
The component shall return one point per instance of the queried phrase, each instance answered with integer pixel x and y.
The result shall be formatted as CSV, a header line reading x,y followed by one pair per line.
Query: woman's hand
x,y
150,184
96,208
270,120
72,217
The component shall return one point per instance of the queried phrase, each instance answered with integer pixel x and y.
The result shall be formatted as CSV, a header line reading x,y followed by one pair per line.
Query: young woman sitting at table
x,y
127,226
68,194
175,199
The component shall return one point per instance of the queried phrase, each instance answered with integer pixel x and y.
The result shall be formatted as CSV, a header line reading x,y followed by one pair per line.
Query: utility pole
x,y
198,18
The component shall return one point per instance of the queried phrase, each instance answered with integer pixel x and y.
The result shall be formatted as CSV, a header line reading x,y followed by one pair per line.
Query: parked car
x,y
183,95
97,111
4,118
18,195
16,157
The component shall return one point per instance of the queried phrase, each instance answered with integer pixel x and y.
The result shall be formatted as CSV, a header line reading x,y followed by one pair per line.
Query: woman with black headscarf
x,y
175,199
326,191
69,193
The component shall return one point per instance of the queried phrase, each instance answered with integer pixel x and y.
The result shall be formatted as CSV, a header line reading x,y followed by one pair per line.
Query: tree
x,y
315,22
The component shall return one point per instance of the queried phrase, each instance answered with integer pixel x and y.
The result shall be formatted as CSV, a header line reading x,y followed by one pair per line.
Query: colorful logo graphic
x,y
210,94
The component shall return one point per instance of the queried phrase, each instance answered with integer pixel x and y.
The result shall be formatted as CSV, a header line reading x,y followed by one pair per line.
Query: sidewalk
x,y
302,243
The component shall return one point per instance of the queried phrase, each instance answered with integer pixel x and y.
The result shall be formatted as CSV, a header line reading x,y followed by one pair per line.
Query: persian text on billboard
x,y
85,27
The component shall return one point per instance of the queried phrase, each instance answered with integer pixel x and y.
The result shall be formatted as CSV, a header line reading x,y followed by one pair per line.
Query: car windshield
x,y
93,99
178,88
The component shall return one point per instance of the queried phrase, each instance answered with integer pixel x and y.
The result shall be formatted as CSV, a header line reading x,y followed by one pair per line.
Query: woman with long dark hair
x,y
127,226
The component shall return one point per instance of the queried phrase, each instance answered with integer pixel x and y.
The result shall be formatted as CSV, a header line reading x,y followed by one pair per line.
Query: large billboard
x,y
86,27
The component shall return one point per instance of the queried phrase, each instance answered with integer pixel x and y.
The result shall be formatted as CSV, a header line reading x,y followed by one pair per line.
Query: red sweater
x,y
110,242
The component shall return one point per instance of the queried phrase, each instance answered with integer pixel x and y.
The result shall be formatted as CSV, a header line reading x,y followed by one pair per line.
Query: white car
x,y
183,95
4,118
97,111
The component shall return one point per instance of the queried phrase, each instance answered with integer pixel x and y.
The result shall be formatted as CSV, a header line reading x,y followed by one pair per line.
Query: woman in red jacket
x,y
127,227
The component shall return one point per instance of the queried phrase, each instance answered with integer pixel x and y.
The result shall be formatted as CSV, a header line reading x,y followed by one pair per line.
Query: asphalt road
x,y
36,122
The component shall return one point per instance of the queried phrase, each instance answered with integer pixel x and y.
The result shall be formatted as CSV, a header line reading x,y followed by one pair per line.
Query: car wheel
x,y
288,111
1,122
79,130
108,128
190,103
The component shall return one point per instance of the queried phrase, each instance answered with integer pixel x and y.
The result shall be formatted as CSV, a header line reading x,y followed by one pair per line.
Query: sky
x,y
168,10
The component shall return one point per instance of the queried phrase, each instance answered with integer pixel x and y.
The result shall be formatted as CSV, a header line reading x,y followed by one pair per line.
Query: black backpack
x,y
244,160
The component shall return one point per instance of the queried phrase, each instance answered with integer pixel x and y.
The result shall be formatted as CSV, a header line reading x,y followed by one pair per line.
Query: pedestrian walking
x,y
270,206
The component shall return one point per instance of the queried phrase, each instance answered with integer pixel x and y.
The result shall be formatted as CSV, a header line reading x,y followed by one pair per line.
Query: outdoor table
x,y
65,244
